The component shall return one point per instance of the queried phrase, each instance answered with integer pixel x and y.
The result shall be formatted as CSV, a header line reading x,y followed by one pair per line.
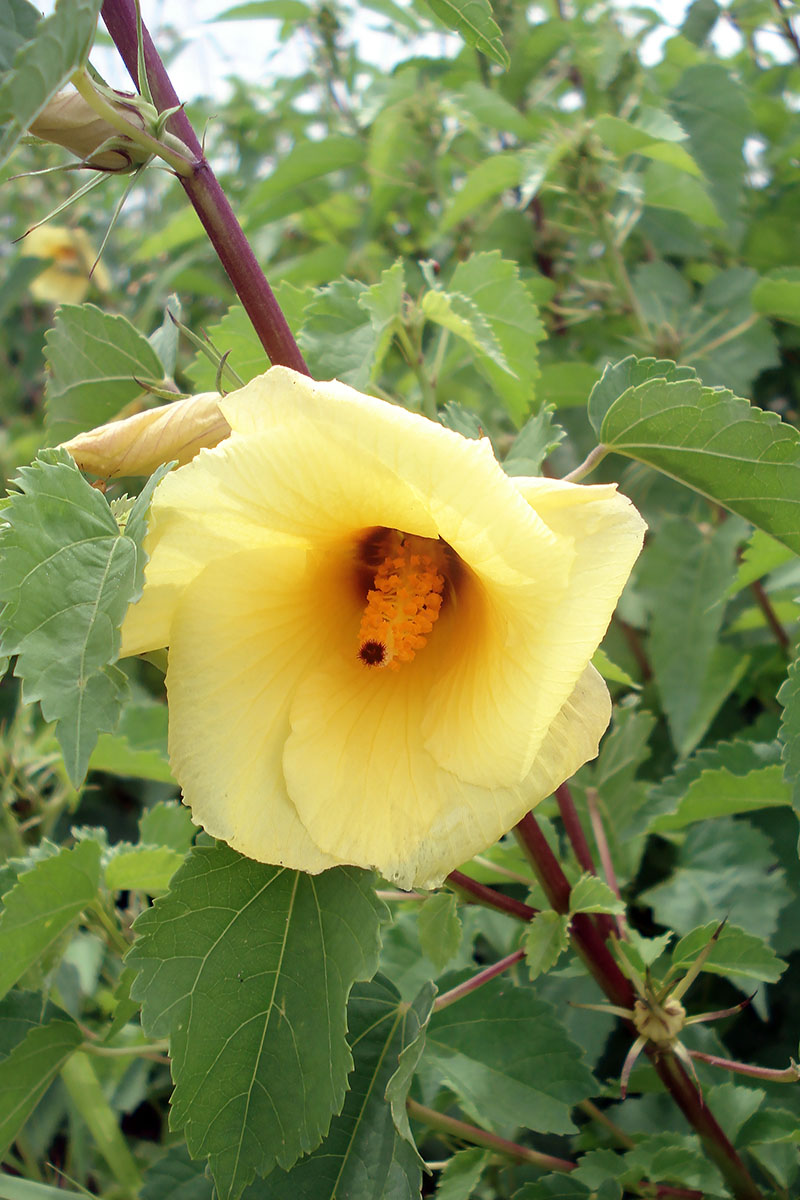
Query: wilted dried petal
x,y
137,445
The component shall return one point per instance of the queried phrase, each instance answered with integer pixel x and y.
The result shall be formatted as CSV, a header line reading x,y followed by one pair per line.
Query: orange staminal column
x,y
403,603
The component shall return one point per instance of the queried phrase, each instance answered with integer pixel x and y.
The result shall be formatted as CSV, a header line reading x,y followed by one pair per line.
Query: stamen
x,y
402,605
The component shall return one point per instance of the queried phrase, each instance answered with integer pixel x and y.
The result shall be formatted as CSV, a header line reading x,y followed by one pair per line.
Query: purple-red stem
x,y
479,893
789,1074
603,849
617,987
478,980
206,195
574,830
770,616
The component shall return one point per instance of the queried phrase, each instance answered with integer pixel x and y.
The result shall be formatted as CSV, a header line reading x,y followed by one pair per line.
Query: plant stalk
x,y
481,1137
476,981
606,972
206,196
479,893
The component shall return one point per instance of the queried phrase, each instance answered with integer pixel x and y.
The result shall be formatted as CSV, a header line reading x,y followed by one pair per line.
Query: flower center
x,y
402,604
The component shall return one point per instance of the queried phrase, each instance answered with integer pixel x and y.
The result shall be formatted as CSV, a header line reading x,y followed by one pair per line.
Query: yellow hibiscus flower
x,y
70,251
379,643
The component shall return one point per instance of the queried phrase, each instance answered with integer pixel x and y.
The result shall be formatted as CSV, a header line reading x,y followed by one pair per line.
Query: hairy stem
x,y
595,953
479,893
464,1132
471,985
206,195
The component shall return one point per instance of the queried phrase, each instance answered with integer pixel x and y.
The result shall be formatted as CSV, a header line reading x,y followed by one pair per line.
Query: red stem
x,y
476,981
603,967
206,195
569,815
789,1074
479,893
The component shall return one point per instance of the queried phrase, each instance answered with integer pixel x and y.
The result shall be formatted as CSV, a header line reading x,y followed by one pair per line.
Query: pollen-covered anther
x,y
402,607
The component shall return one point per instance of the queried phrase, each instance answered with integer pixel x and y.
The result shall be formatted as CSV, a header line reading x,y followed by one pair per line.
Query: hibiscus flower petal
x,y
245,631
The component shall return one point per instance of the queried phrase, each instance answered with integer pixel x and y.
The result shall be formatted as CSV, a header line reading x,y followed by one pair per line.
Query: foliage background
x,y
481,241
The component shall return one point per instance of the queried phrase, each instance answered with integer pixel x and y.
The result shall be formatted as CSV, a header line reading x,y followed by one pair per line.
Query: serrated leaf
x,y
761,555
247,969
58,46
626,137
618,378
440,928
462,317
789,697
494,285
682,193
610,671
94,361
167,824
485,181
138,747
546,939
474,21
720,793
736,953
778,294
453,416
69,576
593,895
732,453
734,1105
338,338
383,302
726,868
539,436
143,868
711,105
508,1059
18,20
29,1070
43,903
671,1158
355,1158
462,1174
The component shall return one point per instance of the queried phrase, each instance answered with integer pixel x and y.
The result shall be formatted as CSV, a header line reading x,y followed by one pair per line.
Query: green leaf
x,y
610,671
733,1105
485,181
663,188
761,555
737,758
720,793
546,939
232,335
384,304
305,162
462,420
735,953
473,20
789,697
176,1177
732,453
726,868
593,895
619,378
355,1158
671,1158
168,824
685,575
29,1070
778,294
58,46
18,21
463,318
339,339
625,137
43,903
494,285
88,1098
568,384
138,748
711,105
508,1059
69,576
462,1174
279,10
143,868
440,928
539,436
247,969
94,360
419,1012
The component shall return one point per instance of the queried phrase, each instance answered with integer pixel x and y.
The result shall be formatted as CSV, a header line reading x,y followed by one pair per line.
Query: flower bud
x,y
138,445
67,120
659,1023
72,257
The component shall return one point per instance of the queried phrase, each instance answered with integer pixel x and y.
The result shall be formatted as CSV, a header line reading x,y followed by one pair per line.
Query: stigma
x,y
403,603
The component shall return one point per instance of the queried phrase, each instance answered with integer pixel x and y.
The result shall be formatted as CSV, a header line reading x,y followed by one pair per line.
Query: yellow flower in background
x,y
379,643
67,280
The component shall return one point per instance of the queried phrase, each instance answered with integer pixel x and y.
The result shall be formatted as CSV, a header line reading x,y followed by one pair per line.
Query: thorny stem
x,y
479,893
206,195
481,1137
574,831
476,981
605,970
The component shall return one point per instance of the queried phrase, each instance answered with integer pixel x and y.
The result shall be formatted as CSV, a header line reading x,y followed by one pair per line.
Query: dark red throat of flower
x,y
372,654
404,601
